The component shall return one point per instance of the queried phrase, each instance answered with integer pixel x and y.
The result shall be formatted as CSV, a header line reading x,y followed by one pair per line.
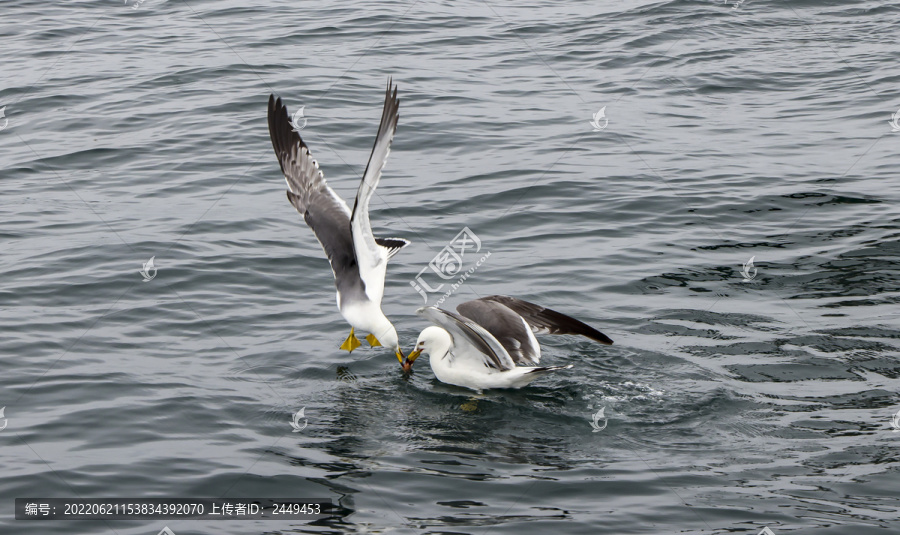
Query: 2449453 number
x,y
297,509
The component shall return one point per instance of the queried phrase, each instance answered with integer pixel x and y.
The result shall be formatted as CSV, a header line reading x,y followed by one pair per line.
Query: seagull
x,y
358,259
491,343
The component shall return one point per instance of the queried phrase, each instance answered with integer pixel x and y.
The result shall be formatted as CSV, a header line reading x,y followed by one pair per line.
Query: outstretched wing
x,y
508,327
371,255
470,340
325,213
545,321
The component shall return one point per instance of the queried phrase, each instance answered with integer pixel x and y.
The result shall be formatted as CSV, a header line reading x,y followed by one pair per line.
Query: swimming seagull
x,y
491,343
358,259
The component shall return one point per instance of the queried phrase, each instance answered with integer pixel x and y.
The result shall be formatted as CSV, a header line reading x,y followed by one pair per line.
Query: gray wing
x,y
508,327
371,255
325,213
545,321
469,338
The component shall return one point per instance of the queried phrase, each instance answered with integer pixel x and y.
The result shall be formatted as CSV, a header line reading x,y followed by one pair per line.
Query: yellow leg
x,y
372,340
351,343
471,405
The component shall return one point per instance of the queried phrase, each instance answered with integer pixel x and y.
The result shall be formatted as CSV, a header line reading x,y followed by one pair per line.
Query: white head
x,y
387,336
433,341
391,340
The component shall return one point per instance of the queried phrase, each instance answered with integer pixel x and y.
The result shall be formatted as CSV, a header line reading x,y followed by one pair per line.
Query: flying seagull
x,y
358,259
491,343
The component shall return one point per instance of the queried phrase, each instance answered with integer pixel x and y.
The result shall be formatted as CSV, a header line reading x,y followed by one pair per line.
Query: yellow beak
x,y
399,354
407,364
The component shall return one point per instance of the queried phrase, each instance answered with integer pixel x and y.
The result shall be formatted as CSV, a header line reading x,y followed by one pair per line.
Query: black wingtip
x,y
578,327
558,322
391,94
600,337
392,243
546,369
274,105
